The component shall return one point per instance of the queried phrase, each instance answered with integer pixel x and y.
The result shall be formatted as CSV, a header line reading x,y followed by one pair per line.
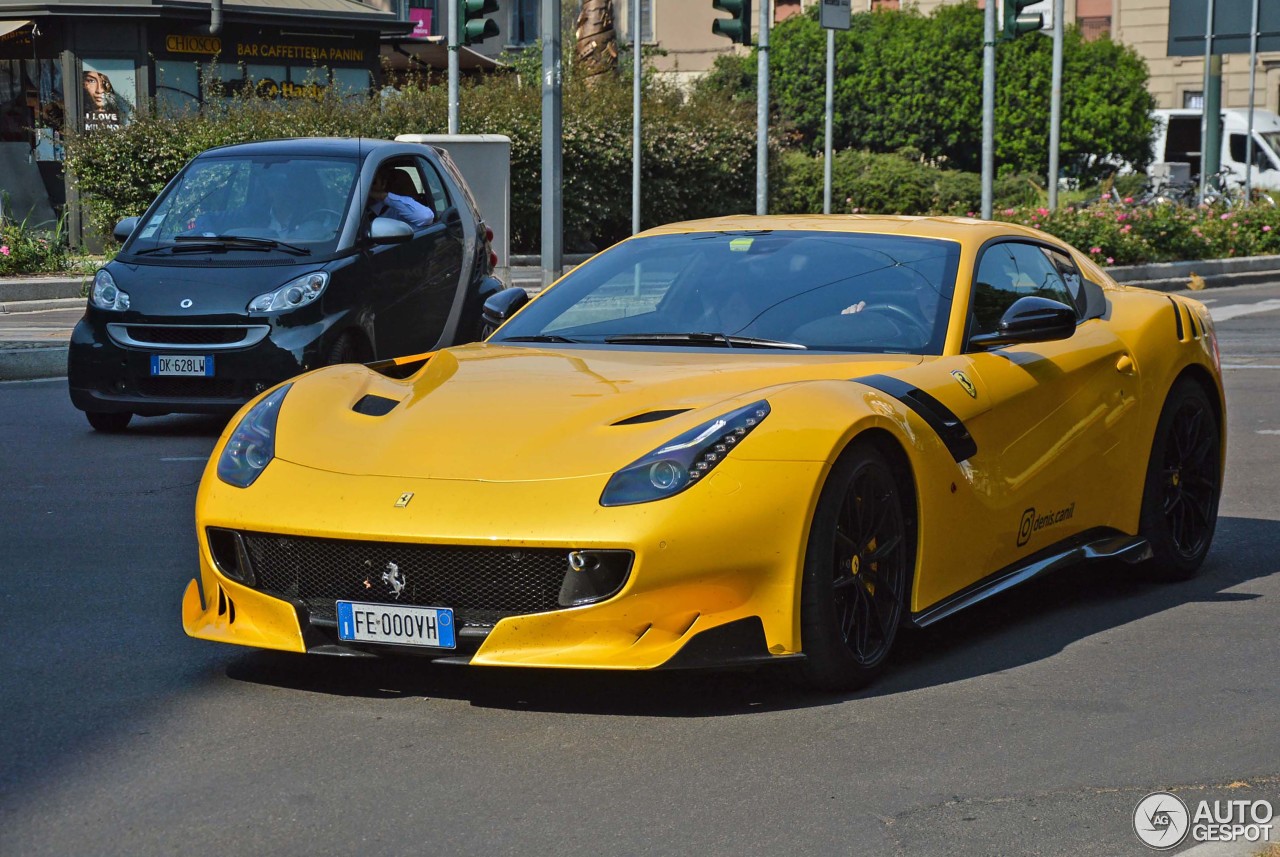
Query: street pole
x,y
637,71
1204,98
762,112
1055,106
455,21
831,107
988,106
1253,88
552,154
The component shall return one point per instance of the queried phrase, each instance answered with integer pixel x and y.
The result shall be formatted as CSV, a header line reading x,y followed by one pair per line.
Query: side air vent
x,y
374,406
650,417
1195,325
1177,318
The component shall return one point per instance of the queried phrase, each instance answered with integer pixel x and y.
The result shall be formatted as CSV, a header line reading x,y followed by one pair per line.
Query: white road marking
x,y
1251,365
1224,313
1268,431
188,458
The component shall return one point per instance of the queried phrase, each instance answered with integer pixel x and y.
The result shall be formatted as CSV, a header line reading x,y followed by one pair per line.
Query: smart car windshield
x,y
237,205
829,291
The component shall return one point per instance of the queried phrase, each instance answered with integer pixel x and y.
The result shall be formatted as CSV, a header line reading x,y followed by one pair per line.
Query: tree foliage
x,y
905,80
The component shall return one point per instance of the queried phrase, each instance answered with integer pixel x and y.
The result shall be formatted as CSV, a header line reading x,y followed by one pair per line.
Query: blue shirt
x,y
406,209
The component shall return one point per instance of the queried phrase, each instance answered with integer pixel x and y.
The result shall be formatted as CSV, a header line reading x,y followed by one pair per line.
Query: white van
x,y
1177,139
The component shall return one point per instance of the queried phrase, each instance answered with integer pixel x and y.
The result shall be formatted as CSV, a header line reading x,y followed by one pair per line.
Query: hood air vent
x,y
650,417
374,406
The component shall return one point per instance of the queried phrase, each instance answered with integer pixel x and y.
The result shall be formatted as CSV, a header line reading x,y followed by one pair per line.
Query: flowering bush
x,y
32,251
1133,235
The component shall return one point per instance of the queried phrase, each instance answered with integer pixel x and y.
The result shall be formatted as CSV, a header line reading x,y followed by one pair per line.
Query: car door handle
x,y
1125,365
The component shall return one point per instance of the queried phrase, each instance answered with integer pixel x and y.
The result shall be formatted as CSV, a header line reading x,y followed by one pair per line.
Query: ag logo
x,y
1024,527
964,381
1161,821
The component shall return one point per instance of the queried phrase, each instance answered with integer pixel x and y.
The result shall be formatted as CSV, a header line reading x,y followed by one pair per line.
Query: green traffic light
x,y
737,27
1016,23
473,26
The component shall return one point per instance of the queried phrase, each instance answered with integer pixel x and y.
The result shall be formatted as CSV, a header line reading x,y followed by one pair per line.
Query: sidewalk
x,y
37,314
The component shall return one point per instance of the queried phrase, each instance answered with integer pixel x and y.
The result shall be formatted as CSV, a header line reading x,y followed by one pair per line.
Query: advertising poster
x,y
108,93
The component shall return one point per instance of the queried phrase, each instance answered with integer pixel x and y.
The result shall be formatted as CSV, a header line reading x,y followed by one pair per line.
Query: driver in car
x,y
389,197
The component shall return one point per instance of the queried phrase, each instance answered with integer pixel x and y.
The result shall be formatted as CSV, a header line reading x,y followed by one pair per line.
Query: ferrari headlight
x,y
253,443
292,294
105,294
686,459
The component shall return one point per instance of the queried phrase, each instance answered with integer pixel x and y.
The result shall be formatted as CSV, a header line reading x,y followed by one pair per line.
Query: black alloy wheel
x,y
111,423
1184,483
857,571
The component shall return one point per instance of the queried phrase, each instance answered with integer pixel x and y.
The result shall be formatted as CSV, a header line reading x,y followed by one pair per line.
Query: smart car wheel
x,y
108,422
856,572
343,350
1180,497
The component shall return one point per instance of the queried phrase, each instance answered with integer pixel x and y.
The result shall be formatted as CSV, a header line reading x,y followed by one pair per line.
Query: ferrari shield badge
x,y
964,381
404,499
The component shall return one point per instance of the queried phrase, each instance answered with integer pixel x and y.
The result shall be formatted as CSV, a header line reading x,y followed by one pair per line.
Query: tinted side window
x,y
1012,270
435,188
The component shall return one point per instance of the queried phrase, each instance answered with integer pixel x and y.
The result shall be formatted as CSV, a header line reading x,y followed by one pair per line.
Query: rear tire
x,y
343,350
110,423
1183,484
856,572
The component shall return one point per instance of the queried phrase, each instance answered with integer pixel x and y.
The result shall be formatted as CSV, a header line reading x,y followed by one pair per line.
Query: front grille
x,y
187,388
187,335
481,584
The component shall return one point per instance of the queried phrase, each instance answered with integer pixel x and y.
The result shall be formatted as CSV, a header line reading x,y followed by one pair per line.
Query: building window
x,y
1193,100
524,22
1095,27
622,20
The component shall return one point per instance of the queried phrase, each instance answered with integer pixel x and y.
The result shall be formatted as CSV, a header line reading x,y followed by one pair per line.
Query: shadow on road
x,y
1029,624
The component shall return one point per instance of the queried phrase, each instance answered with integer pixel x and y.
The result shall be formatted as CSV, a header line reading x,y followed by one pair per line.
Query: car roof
x,y
341,147
965,230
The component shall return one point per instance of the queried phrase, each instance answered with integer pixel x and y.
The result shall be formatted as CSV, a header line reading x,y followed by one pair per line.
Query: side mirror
x,y
125,228
1031,319
500,307
388,230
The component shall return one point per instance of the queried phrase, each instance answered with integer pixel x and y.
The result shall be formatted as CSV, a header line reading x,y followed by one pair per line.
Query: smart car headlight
x,y
684,460
105,294
292,294
253,443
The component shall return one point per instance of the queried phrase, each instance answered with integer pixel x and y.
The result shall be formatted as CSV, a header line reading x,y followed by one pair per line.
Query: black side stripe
x,y
955,437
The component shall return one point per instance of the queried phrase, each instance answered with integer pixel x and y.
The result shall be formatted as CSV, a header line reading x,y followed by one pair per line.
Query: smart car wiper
x,y
719,339
250,242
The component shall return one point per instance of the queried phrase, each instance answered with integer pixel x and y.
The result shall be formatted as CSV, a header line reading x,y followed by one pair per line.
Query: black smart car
x,y
263,260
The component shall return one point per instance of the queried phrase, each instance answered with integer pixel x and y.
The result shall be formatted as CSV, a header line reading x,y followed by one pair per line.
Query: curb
x,y
28,362
12,307
14,289
1217,273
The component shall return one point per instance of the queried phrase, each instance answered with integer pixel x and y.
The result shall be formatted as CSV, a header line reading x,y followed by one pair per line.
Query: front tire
x,y
110,423
856,572
1183,484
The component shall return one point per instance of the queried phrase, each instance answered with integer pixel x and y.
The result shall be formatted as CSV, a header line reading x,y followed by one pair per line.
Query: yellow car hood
x,y
518,413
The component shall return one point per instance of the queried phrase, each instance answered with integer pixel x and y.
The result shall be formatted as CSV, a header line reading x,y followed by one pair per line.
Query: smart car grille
x,y
481,584
187,335
187,388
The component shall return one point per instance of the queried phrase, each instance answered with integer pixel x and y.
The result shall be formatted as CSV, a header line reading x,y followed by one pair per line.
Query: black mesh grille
x,y
187,388
187,335
481,584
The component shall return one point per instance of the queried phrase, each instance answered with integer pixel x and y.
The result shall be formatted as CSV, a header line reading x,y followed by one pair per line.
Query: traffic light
x,y
473,26
737,27
1015,23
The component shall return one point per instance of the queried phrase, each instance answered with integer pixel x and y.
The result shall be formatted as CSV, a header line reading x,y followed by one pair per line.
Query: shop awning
x,y
7,27
433,53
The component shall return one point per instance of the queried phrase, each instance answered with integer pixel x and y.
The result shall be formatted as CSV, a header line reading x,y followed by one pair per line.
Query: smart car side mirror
x,y
125,228
500,307
1031,319
388,230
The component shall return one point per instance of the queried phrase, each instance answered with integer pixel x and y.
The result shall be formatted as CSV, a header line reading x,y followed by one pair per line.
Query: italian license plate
x,y
391,623
181,364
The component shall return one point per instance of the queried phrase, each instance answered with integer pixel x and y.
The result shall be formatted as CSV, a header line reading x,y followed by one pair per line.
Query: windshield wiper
x,y
248,242
544,337
717,339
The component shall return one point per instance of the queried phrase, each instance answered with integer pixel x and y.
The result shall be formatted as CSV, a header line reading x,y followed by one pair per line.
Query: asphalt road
x,y
1030,725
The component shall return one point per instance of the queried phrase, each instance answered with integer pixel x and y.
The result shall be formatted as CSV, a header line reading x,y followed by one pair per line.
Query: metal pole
x,y
1055,106
637,71
454,21
552,152
1204,98
1253,88
762,112
988,106
831,109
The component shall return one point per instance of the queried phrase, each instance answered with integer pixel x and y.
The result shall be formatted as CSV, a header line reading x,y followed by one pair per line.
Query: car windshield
x,y
829,291
271,204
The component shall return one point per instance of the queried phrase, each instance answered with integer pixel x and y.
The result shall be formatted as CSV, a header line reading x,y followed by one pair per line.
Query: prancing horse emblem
x,y
393,578
964,381
404,499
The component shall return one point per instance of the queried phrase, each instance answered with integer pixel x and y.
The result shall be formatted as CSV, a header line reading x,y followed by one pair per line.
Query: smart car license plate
x,y
182,364
390,623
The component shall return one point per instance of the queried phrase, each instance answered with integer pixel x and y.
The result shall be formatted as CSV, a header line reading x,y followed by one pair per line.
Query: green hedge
x,y
698,159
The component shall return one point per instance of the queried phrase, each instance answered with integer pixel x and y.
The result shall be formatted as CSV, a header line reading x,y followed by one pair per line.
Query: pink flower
x,y
1126,228
4,249
1042,211
1226,216
1110,261
1128,199
1266,229
970,214
1009,210
1095,249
